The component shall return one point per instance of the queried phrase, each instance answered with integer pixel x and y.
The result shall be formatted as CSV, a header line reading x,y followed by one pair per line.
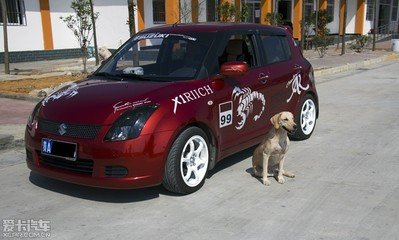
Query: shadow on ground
x,y
232,160
98,194
124,196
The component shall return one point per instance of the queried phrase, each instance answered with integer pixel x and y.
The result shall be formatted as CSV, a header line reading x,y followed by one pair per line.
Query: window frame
x,y
331,7
394,10
288,55
16,13
158,12
312,6
211,10
370,10
252,37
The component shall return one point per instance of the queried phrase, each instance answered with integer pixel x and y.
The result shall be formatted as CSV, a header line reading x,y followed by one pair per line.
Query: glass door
x,y
254,11
285,8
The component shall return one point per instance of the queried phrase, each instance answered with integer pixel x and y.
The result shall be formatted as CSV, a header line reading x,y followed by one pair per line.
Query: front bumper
x,y
142,159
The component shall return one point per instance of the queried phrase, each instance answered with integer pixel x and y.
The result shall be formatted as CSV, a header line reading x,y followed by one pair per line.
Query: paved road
x,y
346,185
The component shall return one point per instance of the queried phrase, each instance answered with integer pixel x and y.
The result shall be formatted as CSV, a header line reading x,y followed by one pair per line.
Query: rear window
x,y
276,48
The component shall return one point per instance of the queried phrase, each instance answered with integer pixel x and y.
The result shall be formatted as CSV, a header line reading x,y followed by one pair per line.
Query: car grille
x,y
71,130
80,165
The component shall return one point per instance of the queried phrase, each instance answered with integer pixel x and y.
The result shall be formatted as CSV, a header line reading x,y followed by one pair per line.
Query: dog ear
x,y
275,120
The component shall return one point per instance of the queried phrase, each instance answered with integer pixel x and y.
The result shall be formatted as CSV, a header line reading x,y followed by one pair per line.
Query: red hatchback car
x,y
169,104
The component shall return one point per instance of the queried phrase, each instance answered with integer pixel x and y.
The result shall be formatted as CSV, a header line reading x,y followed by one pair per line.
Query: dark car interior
x,y
238,48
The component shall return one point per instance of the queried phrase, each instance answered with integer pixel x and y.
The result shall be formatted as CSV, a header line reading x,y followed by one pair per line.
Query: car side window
x,y
276,48
240,47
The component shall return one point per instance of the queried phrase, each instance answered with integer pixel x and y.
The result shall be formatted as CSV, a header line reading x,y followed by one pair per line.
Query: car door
x,y
242,110
283,70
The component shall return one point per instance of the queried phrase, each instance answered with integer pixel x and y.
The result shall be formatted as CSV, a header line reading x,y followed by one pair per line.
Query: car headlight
x,y
32,119
130,123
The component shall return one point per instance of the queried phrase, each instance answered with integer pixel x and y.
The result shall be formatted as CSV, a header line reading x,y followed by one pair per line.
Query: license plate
x,y
60,149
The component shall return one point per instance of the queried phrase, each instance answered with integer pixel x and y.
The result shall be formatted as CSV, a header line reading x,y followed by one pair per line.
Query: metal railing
x,y
386,31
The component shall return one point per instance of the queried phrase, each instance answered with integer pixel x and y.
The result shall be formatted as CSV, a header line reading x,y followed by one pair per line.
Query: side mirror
x,y
234,69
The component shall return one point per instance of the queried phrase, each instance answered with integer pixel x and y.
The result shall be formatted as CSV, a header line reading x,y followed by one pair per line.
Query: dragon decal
x,y
68,92
246,98
296,85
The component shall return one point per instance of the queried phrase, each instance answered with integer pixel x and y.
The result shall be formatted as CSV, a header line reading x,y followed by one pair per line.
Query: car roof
x,y
212,27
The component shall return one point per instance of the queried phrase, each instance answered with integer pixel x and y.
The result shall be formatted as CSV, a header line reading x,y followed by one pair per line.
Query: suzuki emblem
x,y
62,129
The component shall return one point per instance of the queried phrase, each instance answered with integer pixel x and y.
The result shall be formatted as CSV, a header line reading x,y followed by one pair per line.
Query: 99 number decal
x,y
225,120
225,114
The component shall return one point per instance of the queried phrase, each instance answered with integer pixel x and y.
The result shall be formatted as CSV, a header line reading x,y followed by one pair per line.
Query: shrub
x,y
275,19
359,42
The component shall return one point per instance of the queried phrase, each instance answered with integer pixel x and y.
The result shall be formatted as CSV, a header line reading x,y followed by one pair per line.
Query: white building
x,y
35,25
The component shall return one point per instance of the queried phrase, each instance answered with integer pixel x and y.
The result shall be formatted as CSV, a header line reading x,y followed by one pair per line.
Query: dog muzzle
x,y
290,131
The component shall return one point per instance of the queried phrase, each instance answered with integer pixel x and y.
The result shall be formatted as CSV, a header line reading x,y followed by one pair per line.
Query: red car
x,y
169,104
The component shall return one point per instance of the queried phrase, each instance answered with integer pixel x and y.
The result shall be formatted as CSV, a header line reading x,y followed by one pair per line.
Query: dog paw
x,y
280,179
266,182
288,174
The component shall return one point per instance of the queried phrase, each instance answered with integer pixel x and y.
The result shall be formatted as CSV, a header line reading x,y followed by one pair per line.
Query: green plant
x,y
243,14
226,12
321,43
275,19
322,39
229,13
359,42
81,25
308,26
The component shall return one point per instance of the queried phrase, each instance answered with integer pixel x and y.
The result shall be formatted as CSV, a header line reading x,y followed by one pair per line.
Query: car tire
x,y
187,163
305,118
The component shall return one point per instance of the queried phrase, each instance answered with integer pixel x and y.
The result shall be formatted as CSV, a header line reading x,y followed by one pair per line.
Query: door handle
x,y
263,78
297,67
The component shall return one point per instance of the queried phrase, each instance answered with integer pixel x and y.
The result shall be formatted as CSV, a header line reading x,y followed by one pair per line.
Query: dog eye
x,y
285,119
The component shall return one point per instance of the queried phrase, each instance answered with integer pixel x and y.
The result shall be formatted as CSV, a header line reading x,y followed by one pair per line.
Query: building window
x,y
15,12
394,14
330,9
211,10
158,11
370,10
309,8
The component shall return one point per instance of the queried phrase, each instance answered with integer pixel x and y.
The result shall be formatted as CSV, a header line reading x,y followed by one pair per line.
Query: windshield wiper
x,y
140,77
108,75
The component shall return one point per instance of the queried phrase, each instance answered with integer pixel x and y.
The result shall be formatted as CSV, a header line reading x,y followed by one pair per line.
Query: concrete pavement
x,y
346,184
13,118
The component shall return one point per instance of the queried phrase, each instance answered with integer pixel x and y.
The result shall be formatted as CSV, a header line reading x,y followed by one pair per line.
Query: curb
x,y
4,77
20,97
356,65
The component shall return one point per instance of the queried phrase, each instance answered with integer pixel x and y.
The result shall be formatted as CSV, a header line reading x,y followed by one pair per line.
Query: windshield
x,y
160,56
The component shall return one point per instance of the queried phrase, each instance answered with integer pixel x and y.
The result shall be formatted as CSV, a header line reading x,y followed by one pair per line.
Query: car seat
x,y
234,50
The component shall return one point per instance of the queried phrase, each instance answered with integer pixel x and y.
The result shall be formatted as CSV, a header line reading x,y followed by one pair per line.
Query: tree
x,y
93,22
322,39
3,6
275,19
226,12
81,25
343,5
374,22
131,21
132,29
229,13
242,14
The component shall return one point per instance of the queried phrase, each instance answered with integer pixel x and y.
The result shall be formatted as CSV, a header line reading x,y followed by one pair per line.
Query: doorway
x,y
383,13
285,9
254,11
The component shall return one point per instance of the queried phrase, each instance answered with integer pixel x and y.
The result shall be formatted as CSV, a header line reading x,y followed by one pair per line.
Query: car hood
x,y
99,102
